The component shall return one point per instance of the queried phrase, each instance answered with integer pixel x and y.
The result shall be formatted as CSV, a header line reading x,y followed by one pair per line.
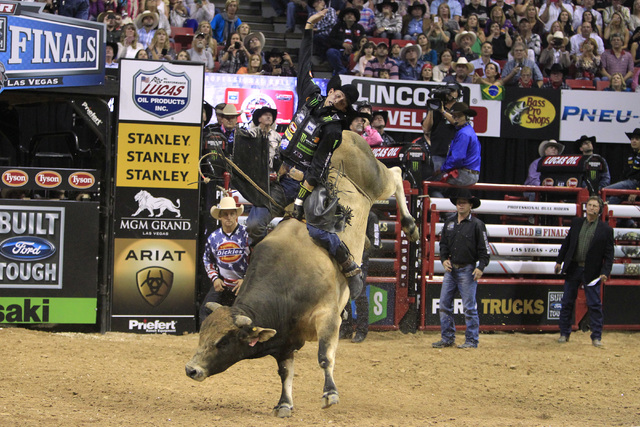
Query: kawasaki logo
x,y
25,312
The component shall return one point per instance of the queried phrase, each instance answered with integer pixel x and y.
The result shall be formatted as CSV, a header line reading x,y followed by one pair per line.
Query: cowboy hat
x,y
557,68
104,14
352,10
462,34
230,110
584,138
350,91
559,36
219,107
409,47
465,194
147,13
461,107
394,5
114,46
636,132
417,5
226,204
260,111
274,52
544,144
250,36
208,111
355,114
463,61
383,113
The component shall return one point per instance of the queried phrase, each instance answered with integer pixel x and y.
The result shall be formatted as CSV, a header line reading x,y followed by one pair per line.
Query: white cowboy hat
x,y
230,110
407,48
226,203
558,35
551,142
466,33
143,15
463,61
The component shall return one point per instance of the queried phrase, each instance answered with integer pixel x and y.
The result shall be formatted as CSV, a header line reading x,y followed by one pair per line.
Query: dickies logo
x,y
48,179
229,252
82,180
15,178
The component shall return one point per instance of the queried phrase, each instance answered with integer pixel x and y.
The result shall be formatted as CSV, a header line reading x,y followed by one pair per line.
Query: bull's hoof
x,y
329,399
282,411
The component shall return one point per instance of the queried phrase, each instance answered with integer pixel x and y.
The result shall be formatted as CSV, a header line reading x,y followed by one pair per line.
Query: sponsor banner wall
x,y
48,269
608,119
85,180
382,302
43,50
530,114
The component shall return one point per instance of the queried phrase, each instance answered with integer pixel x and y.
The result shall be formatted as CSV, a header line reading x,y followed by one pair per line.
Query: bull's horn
x,y
241,321
212,306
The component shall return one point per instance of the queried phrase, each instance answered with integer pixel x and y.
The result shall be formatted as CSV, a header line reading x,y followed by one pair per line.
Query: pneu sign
x,y
161,92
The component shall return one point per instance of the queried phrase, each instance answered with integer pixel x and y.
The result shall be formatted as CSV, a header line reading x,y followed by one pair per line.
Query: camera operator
x,y
234,55
441,130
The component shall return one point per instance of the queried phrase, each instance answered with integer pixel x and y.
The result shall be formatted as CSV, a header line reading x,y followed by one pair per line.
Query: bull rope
x,y
206,179
360,190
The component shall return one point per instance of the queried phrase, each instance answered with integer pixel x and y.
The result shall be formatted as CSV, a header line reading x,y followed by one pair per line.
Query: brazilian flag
x,y
492,92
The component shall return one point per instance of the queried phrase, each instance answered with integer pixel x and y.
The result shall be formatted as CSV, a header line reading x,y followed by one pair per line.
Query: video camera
x,y
439,95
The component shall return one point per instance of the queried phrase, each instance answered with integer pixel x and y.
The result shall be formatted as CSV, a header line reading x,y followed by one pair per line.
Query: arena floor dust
x,y
117,379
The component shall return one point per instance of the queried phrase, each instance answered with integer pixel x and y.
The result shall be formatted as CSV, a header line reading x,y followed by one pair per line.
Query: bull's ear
x,y
257,334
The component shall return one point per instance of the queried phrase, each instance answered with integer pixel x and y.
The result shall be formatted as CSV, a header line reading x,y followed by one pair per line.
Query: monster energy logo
x,y
415,165
305,149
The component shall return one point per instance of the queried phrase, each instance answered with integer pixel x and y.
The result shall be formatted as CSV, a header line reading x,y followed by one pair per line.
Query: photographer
x,y
512,69
556,52
278,64
441,130
233,56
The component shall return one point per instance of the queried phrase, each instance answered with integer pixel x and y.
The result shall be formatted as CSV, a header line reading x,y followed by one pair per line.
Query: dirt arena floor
x,y
117,379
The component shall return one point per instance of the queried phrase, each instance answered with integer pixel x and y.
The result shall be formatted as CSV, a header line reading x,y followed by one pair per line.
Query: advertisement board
x,y
530,114
39,50
85,180
48,270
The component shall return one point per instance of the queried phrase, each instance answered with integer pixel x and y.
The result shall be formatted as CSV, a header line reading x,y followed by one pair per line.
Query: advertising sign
x,y
608,119
85,180
48,271
43,50
531,114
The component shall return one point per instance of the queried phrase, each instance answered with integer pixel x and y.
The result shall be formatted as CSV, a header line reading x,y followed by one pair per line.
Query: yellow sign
x,y
531,112
157,156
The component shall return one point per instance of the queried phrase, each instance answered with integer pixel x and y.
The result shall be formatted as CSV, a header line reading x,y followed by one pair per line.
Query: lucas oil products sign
x,y
48,266
43,50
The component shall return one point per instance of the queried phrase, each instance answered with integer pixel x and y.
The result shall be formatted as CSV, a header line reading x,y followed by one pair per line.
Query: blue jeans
x,y
575,277
329,241
336,59
459,279
627,184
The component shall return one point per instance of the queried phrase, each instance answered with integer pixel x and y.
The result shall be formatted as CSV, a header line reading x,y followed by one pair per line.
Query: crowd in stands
x,y
529,42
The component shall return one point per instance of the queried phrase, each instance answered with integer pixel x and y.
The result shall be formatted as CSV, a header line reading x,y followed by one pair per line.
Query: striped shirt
x,y
373,67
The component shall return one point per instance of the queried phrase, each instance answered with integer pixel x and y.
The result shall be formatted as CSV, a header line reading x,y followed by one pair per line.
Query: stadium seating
x,y
580,84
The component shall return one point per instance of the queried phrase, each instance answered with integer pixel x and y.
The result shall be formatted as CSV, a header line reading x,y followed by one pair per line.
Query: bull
x,y
294,291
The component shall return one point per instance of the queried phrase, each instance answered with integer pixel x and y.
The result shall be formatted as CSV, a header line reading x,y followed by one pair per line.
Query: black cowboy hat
x,y
394,5
383,113
363,104
208,111
636,132
417,5
355,114
114,46
350,91
557,68
463,193
260,111
461,107
274,52
584,138
346,10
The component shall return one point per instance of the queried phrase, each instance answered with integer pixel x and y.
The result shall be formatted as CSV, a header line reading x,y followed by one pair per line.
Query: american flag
x,y
145,79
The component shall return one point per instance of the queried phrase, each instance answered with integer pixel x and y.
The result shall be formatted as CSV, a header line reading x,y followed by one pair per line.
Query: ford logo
x,y
26,248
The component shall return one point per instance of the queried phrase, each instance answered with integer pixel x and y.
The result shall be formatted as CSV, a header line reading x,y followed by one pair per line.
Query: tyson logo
x,y
81,180
48,179
15,178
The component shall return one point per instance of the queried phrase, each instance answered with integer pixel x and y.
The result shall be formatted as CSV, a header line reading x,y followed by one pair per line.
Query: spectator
x,y
146,22
454,7
537,26
617,84
361,58
507,9
383,74
178,13
367,16
526,78
380,61
183,55
344,36
616,6
550,11
428,54
163,21
464,40
233,56
475,8
513,68
417,23
201,11
635,52
129,44
445,67
263,123
587,16
278,64
360,124
635,81
254,43
588,63
556,78
446,23
322,28
585,145
491,76
550,147
473,26
585,33
616,26
616,60
160,47
227,121
379,122
426,74
565,22
463,70
438,39
142,54
224,24
294,7
530,39
556,52
497,15
410,67
500,40
113,32
110,55
210,42
394,52
199,53
388,21
634,19
578,15
254,66
517,38
481,63
441,131
631,171
74,9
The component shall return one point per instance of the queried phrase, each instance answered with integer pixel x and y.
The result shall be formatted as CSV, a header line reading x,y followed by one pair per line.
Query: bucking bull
x,y
293,291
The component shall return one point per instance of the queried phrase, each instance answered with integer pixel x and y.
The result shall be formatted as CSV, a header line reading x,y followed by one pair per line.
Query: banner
x,y
85,180
608,119
39,50
48,270
530,114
